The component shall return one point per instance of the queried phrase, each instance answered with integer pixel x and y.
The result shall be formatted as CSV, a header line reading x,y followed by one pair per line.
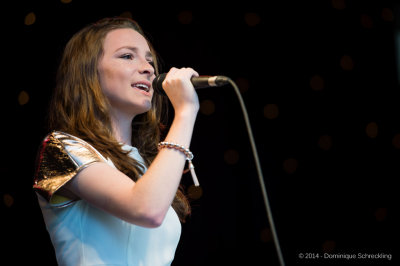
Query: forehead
x,y
119,38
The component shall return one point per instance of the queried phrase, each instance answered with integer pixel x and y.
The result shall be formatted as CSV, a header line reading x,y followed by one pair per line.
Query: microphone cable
x,y
259,171
203,82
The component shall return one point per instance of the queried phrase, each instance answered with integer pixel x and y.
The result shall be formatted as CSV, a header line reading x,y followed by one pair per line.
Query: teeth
x,y
142,86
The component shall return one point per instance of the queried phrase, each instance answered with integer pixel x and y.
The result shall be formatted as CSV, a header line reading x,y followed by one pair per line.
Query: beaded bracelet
x,y
189,157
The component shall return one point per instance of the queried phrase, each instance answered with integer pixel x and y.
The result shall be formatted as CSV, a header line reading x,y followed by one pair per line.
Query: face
x,y
126,72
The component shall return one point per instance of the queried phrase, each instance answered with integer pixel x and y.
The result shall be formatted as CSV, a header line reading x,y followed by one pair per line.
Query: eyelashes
x,y
127,56
130,57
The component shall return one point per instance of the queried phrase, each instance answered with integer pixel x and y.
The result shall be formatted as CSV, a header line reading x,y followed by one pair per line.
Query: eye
x,y
127,56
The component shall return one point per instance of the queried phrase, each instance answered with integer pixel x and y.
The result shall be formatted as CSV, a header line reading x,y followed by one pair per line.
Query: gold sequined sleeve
x,y
61,156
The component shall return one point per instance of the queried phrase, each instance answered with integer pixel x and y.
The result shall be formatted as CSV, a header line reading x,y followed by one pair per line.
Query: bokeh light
x,y
325,142
366,21
329,246
271,111
387,14
185,17
372,130
126,14
8,200
396,141
252,19
207,107
380,214
266,235
30,19
317,83
23,98
194,192
243,84
231,156
290,165
347,63
338,4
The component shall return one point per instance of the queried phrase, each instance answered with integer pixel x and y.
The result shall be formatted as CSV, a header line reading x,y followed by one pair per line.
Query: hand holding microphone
x,y
178,85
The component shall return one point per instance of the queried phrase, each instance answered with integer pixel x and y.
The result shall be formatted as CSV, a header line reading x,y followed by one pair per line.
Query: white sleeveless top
x,y
85,235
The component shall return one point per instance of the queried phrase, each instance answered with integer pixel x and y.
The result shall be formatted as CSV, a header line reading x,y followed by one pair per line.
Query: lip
x,y
147,93
148,84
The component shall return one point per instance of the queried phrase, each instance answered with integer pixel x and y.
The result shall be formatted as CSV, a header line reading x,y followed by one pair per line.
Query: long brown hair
x,y
79,107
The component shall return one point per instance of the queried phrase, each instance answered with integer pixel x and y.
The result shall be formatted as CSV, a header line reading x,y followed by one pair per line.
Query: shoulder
x,y
60,157
60,143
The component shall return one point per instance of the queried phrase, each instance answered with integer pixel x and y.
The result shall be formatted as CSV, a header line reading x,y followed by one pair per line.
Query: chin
x,y
145,107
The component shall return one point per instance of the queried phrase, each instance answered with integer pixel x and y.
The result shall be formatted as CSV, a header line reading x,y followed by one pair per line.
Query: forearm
x,y
157,187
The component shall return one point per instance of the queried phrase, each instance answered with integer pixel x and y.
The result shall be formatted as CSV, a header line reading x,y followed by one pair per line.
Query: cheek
x,y
103,79
109,80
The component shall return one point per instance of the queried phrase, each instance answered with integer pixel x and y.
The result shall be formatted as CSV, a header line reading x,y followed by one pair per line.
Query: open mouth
x,y
141,86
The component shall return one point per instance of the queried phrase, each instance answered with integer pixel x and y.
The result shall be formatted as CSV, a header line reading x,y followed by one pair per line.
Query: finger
x,y
190,72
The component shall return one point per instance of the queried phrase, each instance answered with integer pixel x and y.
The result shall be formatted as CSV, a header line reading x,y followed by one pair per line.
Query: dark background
x,y
320,82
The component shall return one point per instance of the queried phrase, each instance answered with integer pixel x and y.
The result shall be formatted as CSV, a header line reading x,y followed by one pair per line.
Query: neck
x,y
122,127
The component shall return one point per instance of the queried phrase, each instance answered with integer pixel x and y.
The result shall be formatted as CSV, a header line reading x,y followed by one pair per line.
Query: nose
x,y
147,67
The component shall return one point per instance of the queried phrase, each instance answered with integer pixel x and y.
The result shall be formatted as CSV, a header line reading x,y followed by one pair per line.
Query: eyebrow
x,y
135,50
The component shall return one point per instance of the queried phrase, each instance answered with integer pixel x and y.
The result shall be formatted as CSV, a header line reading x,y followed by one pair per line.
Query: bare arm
x,y
147,201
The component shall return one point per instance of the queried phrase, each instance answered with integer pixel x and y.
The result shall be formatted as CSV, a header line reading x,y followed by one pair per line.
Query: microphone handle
x,y
198,82
208,81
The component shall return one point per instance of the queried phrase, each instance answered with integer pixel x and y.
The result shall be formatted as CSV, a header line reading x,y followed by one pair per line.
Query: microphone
x,y
198,82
